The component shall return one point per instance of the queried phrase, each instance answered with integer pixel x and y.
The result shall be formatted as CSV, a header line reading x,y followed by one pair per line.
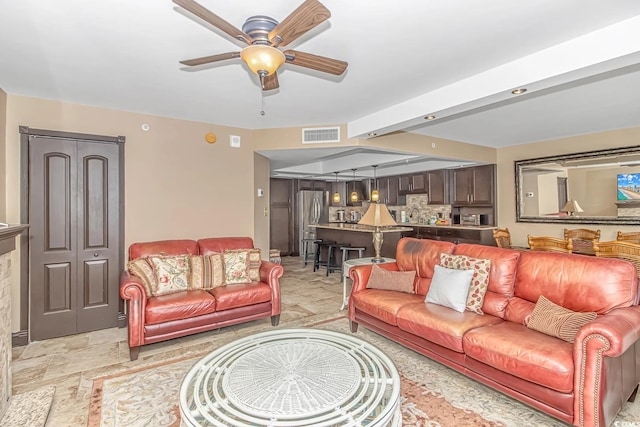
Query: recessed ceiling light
x,y
431,117
518,91
372,134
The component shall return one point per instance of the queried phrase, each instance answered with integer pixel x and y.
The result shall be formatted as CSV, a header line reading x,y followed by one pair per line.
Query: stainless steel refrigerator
x,y
313,208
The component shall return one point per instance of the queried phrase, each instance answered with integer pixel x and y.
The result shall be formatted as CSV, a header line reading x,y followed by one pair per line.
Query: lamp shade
x,y
378,216
571,206
262,59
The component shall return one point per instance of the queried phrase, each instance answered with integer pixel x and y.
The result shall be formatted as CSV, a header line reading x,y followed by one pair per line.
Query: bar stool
x,y
332,256
305,250
320,246
346,251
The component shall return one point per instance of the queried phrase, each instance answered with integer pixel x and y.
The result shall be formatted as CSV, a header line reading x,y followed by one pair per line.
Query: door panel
x,y
53,180
74,236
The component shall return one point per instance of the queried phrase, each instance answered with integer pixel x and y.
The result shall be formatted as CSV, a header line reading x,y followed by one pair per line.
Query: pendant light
x,y
375,196
354,194
336,195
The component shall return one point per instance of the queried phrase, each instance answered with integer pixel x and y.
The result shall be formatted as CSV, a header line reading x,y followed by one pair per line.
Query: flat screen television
x,y
629,186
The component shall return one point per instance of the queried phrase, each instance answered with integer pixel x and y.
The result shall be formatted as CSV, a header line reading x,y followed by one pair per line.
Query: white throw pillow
x,y
449,288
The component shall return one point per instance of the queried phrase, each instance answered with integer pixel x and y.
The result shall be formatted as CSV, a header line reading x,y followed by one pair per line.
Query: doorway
x,y
73,194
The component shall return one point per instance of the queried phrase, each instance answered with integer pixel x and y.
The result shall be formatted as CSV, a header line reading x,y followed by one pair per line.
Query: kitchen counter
x,y
363,236
361,228
456,226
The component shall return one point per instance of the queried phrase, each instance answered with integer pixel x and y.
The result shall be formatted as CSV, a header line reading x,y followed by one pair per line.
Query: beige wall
x,y
506,178
3,159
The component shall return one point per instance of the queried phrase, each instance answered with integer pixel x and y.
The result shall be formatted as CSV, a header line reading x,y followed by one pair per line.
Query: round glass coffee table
x,y
294,378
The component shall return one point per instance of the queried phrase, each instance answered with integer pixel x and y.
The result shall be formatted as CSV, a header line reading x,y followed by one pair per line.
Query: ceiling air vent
x,y
320,135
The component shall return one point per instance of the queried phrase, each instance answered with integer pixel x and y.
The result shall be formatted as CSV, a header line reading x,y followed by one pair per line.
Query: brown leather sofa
x,y
584,383
158,318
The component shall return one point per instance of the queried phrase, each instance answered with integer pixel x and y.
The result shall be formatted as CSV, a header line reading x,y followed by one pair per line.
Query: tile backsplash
x,y
417,210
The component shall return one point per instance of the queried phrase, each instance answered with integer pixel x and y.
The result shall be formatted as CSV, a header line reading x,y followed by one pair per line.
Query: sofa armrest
x,y
133,291
270,273
360,275
609,336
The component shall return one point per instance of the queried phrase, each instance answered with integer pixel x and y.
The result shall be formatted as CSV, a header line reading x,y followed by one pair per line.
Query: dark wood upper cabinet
x,y
415,183
473,186
389,189
311,184
438,187
339,187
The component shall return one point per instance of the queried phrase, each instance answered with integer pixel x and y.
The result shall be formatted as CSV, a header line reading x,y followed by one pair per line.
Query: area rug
x,y
29,408
431,394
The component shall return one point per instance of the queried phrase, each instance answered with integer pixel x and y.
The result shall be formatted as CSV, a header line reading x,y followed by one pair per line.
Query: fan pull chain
x,y
262,112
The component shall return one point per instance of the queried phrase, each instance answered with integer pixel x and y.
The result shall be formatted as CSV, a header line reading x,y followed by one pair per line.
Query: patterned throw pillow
x,y
480,281
171,272
557,321
207,271
141,268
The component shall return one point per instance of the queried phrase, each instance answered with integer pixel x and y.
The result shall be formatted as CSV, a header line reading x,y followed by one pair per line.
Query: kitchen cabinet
x,y
339,187
473,186
438,188
481,236
415,183
281,216
311,184
389,188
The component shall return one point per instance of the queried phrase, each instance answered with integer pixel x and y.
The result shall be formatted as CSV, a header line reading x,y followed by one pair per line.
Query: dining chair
x,y
503,237
582,239
550,244
619,249
631,237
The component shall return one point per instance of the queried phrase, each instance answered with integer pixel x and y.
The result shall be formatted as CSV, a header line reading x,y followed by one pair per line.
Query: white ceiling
x,y
456,59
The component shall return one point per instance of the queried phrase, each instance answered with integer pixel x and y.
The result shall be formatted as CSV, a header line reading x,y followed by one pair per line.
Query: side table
x,y
345,274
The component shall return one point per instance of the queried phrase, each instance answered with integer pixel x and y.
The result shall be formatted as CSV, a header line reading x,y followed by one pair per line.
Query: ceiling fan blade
x,y
315,62
270,82
213,19
308,15
209,59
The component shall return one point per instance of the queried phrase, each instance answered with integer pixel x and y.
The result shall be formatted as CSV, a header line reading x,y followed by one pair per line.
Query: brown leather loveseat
x,y
170,315
584,383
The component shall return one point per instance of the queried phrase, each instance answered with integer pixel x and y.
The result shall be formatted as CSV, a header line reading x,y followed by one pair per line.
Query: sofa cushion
x,y
382,304
179,305
557,321
240,295
172,274
241,265
502,275
163,248
525,353
439,324
479,282
221,244
141,268
576,282
449,288
421,255
401,281
207,271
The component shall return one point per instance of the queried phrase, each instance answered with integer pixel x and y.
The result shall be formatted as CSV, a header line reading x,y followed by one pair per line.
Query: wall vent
x,y
320,135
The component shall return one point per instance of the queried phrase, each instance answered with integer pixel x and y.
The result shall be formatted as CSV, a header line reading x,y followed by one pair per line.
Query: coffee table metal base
x,y
293,377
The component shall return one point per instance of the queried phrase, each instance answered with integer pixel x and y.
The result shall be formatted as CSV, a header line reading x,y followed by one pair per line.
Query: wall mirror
x,y
602,187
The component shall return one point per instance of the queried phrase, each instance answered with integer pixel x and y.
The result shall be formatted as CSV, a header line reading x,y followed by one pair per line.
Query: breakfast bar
x,y
361,236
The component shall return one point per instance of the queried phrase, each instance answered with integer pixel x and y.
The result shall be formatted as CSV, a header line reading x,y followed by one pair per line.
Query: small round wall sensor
x,y
210,137
145,127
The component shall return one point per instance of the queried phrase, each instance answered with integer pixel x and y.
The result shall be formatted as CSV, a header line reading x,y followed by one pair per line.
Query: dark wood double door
x,y
75,235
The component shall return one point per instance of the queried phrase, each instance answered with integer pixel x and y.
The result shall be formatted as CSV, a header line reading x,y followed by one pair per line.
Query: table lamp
x,y
571,207
377,216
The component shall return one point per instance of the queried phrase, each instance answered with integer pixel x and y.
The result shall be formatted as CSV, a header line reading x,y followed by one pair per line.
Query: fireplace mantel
x,y
7,234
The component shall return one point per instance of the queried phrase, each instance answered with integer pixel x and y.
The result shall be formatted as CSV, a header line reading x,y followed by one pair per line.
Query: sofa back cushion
x,y
163,248
577,282
220,244
421,255
502,276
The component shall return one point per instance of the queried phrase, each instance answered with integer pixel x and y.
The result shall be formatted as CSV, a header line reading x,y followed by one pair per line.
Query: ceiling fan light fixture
x,y
263,60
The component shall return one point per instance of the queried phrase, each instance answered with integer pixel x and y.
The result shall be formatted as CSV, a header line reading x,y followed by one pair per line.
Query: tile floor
x,y
71,363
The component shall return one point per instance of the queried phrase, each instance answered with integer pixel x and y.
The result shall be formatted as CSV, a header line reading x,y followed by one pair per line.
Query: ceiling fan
x,y
264,35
